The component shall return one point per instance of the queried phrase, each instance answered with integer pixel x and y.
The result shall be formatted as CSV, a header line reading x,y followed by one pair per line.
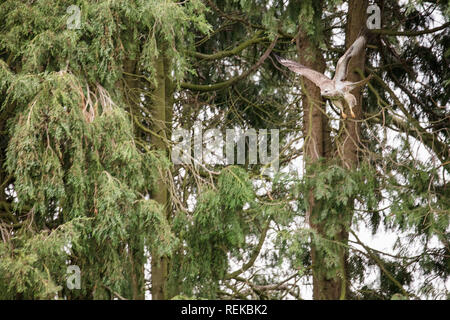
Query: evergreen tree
x,y
86,121
77,178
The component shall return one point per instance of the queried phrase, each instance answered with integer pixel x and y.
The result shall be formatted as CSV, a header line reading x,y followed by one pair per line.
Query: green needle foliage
x,y
81,185
86,117
218,227
68,167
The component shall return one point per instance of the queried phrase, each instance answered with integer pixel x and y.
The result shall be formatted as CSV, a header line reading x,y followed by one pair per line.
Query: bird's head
x,y
326,92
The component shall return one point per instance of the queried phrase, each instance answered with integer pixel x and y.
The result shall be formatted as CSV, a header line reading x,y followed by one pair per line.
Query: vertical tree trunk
x,y
137,273
161,107
159,118
356,20
330,283
136,255
316,148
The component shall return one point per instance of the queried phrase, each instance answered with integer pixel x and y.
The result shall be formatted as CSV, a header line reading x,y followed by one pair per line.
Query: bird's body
x,y
337,90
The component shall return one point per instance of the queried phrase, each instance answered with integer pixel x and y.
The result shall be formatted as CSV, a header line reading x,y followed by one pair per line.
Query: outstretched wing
x,y
318,78
342,65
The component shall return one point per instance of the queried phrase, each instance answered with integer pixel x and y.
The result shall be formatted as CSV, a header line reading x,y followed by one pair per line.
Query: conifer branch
x,y
409,33
229,82
227,53
416,131
378,261
254,255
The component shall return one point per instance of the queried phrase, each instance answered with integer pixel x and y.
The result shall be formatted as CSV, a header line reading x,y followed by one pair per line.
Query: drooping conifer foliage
x,y
76,183
87,179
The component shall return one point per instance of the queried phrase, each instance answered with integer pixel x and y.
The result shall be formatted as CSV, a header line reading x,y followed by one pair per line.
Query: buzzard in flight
x,y
336,89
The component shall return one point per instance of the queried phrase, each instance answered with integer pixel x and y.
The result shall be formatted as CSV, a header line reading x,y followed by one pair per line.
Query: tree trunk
x,y
160,117
356,20
161,108
329,283
316,148
136,255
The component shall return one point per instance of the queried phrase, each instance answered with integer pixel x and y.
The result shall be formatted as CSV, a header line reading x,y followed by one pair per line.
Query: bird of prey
x,y
336,89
